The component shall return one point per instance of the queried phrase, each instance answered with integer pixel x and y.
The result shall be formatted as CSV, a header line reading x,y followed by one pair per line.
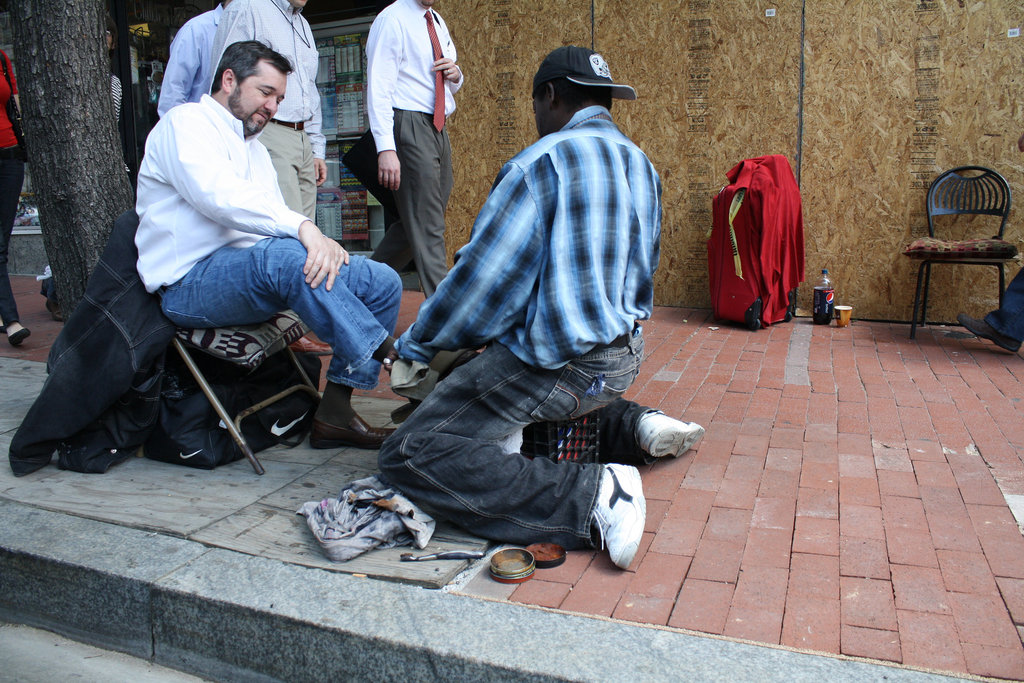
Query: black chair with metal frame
x,y
246,346
965,190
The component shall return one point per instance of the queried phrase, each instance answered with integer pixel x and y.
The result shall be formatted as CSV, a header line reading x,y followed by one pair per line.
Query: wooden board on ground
x,y
283,535
150,495
230,507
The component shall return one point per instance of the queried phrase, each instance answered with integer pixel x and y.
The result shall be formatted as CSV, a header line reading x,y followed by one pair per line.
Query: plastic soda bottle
x,y
824,299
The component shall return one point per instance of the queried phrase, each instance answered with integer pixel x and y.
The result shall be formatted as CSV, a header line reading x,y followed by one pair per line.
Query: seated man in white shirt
x,y
218,243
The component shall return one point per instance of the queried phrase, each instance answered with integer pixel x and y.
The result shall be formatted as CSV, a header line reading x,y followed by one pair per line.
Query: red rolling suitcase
x,y
756,244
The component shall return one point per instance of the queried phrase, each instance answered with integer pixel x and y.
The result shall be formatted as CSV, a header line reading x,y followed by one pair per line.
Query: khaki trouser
x,y
293,160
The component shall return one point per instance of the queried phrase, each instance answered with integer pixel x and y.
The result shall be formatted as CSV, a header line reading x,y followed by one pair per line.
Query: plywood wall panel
x,y
859,101
979,120
891,94
896,93
704,105
501,43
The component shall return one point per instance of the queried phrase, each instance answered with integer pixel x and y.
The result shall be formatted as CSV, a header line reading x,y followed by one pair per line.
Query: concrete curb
x,y
228,615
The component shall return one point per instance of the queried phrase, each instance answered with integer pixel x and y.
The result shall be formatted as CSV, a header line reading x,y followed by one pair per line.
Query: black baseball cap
x,y
583,67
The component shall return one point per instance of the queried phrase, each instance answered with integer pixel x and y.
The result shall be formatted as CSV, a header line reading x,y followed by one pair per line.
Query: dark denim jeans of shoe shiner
x,y
243,286
12,174
446,458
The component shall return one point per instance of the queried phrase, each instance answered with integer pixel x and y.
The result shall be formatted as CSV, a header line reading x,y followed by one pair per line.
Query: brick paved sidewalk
x,y
850,496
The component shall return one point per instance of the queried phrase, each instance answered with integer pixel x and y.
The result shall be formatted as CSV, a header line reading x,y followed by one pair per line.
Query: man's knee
x,y
279,260
385,281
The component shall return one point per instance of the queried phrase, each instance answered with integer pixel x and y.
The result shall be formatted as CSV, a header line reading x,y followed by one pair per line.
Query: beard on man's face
x,y
250,125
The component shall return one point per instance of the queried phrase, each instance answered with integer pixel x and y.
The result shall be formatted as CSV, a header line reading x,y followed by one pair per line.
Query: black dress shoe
x,y
357,434
982,329
15,338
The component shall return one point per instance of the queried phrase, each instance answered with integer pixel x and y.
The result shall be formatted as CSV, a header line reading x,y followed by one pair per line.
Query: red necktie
x,y
438,76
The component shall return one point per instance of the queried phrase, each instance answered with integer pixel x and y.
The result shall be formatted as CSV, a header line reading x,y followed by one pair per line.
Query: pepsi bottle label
x,y
824,303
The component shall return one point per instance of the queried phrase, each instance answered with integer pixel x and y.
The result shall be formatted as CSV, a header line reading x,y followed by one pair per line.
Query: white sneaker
x,y
661,435
620,512
513,443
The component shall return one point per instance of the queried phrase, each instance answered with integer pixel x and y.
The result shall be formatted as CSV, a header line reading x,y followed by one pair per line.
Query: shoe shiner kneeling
x,y
559,269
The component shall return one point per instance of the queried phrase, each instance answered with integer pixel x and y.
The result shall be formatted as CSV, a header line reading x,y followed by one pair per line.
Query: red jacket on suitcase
x,y
756,255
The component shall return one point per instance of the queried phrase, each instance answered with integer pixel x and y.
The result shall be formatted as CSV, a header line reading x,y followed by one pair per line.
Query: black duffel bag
x,y
190,433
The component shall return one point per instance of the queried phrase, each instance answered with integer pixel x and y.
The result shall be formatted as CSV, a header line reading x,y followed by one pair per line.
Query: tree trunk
x,y
74,151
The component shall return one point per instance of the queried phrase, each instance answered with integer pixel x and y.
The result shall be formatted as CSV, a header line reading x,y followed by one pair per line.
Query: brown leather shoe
x,y
308,345
357,434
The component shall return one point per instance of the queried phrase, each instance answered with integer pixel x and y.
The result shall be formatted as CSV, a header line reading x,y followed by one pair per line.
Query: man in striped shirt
x,y
557,273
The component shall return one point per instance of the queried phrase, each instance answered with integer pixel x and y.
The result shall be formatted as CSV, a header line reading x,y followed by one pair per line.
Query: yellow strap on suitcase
x,y
734,209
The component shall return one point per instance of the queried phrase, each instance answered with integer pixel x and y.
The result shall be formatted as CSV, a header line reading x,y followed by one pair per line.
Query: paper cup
x,y
843,315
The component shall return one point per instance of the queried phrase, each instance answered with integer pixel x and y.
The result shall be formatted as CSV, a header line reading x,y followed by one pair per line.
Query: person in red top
x,y
12,174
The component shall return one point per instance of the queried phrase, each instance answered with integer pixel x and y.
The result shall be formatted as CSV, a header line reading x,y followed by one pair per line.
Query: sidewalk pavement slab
x,y
229,615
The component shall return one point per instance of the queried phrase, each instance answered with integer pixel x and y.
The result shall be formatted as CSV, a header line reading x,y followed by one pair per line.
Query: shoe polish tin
x,y
512,565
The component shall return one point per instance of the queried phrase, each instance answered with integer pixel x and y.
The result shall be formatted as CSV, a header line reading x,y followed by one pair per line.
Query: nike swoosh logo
x,y
278,430
186,457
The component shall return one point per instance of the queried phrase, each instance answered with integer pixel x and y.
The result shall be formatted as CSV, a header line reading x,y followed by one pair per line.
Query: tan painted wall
x,y
892,93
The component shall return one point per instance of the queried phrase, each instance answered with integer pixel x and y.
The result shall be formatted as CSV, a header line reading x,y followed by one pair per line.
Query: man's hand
x,y
448,69
389,360
324,256
320,170
389,170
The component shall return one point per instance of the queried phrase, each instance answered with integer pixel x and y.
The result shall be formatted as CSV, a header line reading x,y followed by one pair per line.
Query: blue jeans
x,y
235,286
446,458
12,174
1008,319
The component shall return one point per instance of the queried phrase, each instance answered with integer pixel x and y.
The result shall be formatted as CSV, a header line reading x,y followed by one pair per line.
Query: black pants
x,y
12,174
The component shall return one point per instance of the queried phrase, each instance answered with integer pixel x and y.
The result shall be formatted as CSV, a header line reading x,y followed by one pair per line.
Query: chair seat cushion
x,y
246,345
936,249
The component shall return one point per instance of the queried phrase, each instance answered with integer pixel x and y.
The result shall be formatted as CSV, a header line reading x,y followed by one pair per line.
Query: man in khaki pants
x,y
294,138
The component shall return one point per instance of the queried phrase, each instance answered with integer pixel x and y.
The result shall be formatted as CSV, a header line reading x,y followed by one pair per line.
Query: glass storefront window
x,y
345,211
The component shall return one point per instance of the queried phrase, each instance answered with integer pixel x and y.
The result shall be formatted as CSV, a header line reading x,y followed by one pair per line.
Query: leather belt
x,y
299,125
620,342
12,153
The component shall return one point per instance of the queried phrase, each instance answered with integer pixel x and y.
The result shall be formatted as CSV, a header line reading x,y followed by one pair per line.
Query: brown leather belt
x,y
288,124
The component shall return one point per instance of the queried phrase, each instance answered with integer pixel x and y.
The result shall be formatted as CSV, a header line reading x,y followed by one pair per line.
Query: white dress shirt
x,y
283,28
203,186
189,69
399,62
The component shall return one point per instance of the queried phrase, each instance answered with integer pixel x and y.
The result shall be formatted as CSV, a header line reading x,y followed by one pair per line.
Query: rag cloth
x,y
367,514
414,379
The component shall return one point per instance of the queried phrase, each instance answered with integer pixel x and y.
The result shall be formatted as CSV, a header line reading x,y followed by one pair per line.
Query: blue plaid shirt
x,y
562,255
